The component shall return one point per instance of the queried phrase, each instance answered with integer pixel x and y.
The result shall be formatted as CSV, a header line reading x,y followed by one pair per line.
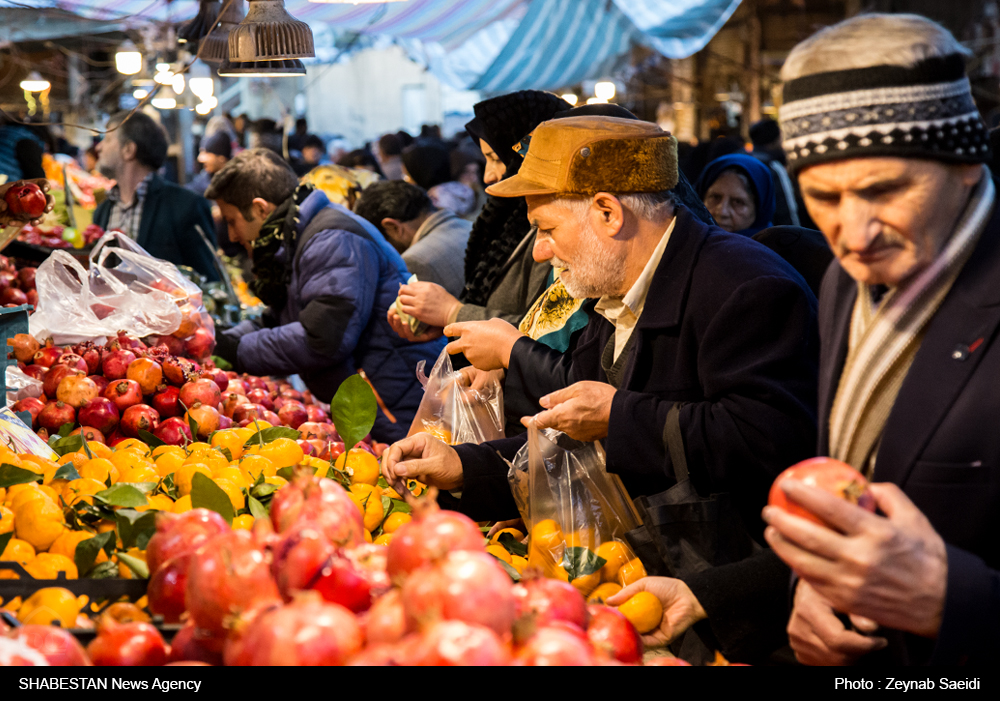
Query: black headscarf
x,y
428,165
502,122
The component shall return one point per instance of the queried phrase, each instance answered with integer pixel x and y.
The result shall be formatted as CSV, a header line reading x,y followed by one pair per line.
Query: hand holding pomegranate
x,y
892,570
24,202
681,608
425,458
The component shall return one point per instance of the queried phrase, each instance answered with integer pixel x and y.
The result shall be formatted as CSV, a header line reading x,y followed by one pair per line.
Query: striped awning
x,y
489,45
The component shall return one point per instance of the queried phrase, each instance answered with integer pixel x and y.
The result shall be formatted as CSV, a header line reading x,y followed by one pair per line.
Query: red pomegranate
x,y
167,587
316,413
115,364
102,383
836,477
177,534
24,347
262,397
429,536
165,401
246,413
544,601
460,644
187,646
58,646
175,346
140,417
556,646
174,431
26,278
385,621
50,383
219,377
611,633
179,370
90,433
207,418
74,361
55,414
200,344
92,356
308,631
48,354
36,371
124,394
236,385
101,413
13,297
231,400
322,502
293,414
32,405
200,391
127,645
464,585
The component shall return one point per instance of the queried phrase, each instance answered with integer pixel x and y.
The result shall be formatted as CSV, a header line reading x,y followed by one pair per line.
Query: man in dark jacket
x,y
161,217
329,278
688,316
909,321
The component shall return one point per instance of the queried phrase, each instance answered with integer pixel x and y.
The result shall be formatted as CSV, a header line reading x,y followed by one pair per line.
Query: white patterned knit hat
x,y
926,111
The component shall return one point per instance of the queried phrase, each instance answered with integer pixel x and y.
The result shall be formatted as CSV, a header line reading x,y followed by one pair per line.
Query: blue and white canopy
x,y
490,45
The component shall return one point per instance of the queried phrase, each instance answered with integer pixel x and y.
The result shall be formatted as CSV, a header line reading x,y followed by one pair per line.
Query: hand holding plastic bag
x,y
455,412
576,513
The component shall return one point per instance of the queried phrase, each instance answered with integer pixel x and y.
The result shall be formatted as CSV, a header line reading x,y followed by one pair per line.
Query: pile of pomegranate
x,y
303,588
17,287
59,236
111,392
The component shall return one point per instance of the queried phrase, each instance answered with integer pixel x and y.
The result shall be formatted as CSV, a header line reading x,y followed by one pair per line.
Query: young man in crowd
x,y
161,217
432,241
329,278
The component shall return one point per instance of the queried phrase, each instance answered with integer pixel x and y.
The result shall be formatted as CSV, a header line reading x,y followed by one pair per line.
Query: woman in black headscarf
x,y
501,278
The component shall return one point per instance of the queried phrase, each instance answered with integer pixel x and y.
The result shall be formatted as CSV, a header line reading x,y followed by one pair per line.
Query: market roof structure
x,y
486,45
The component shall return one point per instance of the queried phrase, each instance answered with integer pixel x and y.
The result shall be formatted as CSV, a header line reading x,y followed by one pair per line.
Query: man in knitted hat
x,y
881,128
693,327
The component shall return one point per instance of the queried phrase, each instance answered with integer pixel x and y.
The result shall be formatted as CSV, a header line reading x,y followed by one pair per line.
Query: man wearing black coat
x,y
688,315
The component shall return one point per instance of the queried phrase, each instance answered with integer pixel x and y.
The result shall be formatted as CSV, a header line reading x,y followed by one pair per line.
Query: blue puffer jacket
x,y
345,276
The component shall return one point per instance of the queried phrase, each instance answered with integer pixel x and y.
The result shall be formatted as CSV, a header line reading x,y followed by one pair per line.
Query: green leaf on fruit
x,y
225,451
264,489
67,472
338,476
222,363
353,409
68,444
382,483
286,472
579,562
509,569
135,528
66,429
105,570
11,475
168,487
122,495
257,509
86,448
386,505
88,550
139,568
513,545
267,435
4,539
193,425
149,439
400,506
206,494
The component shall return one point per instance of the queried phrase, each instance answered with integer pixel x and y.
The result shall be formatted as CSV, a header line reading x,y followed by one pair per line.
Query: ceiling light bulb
x,y
571,98
140,93
605,90
202,87
128,60
177,83
164,103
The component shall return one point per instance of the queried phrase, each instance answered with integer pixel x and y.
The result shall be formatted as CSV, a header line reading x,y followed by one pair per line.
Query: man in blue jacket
x,y
161,217
329,278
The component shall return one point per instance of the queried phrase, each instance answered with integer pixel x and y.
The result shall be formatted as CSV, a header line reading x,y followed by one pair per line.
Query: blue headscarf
x,y
760,177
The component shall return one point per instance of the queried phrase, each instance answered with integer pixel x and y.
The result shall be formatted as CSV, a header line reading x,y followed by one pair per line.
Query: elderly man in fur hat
x,y
694,328
880,124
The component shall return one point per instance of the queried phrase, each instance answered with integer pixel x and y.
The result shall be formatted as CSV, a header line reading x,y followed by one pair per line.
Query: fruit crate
x,y
13,320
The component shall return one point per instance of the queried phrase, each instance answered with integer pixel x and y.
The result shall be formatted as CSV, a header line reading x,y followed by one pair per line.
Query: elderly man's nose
x,y
542,250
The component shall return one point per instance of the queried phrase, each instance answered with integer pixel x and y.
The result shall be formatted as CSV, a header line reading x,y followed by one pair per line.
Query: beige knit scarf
x,y
884,342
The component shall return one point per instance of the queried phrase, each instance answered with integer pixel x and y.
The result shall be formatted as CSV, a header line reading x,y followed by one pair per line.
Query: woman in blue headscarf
x,y
737,189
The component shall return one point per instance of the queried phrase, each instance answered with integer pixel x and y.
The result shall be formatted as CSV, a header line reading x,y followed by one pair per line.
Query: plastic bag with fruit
x,y
576,513
124,289
454,412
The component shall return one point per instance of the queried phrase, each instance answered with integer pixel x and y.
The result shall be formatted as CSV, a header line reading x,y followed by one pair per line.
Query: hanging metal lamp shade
x,y
216,44
269,33
262,69
194,30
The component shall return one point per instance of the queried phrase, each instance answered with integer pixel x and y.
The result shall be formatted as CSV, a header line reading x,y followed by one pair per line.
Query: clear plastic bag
x,y
124,289
576,513
20,385
454,412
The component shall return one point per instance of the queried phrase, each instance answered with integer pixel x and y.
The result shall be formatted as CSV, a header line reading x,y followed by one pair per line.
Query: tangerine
x,y
631,571
39,522
49,565
644,611
50,605
603,592
361,465
616,554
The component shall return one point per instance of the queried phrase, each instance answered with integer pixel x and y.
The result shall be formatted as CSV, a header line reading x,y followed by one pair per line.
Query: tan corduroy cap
x,y
587,155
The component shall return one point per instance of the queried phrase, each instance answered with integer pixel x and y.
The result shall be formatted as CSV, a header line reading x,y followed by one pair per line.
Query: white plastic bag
x,y
454,412
125,289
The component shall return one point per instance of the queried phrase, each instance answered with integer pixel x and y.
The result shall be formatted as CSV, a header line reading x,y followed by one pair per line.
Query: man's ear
x,y
128,149
261,208
610,213
393,229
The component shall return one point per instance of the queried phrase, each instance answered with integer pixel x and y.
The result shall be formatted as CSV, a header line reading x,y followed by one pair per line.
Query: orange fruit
x,y
39,522
82,488
49,565
499,552
232,491
133,444
167,463
185,473
368,536
276,480
100,450
369,499
644,611
77,460
18,550
100,469
49,605
231,440
616,553
518,563
142,474
234,475
211,458
125,572
183,504
393,522
67,542
23,496
128,460
157,502
585,584
6,520
582,538
518,536
547,535
161,450
361,465
438,431
631,571
282,452
254,465
603,592
383,539
245,522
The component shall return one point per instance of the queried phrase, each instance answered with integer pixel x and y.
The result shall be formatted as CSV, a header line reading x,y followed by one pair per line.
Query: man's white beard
x,y
596,272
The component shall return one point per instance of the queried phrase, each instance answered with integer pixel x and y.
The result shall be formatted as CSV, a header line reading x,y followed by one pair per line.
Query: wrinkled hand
x,y
892,570
486,344
404,330
681,609
818,637
7,220
428,302
582,411
425,458
479,379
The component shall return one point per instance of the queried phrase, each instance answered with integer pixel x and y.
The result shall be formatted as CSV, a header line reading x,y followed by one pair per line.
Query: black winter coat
x,y
729,329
